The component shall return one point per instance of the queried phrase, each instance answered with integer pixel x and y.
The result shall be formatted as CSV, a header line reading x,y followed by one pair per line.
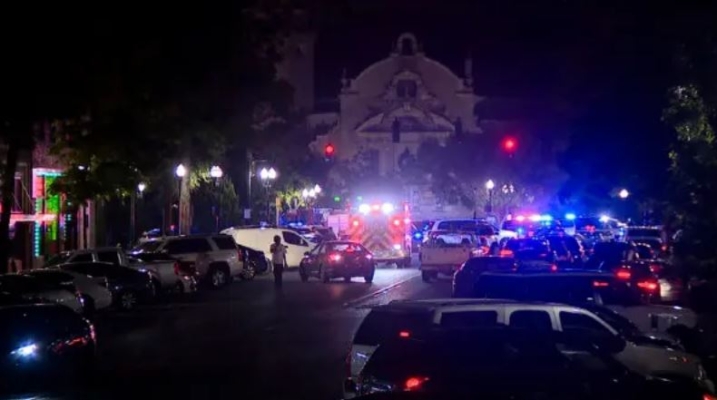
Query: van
x,y
262,238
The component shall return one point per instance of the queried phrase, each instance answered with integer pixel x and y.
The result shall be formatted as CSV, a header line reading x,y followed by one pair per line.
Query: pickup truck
x,y
444,252
166,272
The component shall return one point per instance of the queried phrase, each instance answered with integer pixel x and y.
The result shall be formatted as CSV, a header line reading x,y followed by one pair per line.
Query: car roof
x,y
560,274
450,302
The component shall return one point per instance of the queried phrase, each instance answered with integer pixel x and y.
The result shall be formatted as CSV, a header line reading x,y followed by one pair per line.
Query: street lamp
x,y
140,187
180,172
216,173
133,211
490,185
623,194
267,177
317,189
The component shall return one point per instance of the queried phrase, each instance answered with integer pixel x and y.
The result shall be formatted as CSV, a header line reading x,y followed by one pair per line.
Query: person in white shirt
x,y
278,260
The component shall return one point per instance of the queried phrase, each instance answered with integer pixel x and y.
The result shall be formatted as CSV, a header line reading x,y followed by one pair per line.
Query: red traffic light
x,y
509,144
329,150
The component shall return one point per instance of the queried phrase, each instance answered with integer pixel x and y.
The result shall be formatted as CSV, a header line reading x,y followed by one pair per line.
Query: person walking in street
x,y
278,260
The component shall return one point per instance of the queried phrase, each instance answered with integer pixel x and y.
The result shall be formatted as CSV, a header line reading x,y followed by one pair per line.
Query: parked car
x,y
262,238
165,271
42,343
34,289
128,286
94,295
220,256
637,351
338,259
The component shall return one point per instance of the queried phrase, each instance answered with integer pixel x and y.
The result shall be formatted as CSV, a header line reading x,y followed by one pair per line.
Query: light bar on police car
x,y
364,209
387,208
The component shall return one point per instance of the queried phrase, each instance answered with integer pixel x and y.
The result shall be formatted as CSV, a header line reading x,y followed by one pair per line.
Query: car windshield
x,y
58,259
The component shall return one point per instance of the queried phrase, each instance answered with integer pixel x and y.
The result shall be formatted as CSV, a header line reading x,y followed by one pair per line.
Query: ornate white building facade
x,y
407,95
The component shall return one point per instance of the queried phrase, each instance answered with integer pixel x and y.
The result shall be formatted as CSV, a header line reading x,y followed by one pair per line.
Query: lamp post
x,y
216,173
267,177
623,194
490,185
133,211
309,195
180,172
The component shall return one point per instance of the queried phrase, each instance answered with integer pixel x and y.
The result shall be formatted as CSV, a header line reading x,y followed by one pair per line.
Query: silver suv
x,y
216,257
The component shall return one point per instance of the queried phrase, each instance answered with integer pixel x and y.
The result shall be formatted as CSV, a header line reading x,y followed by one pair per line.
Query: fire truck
x,y
383,228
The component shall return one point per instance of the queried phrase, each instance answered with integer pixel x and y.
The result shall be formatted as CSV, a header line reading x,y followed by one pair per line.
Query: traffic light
x,y
509,145
329,150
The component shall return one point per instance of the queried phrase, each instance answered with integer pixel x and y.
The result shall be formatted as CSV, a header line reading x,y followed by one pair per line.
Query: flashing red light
x,y
397,222
600,284
335,257
414,383
355,222
329,150
404,334
509,144
520,218
553,268
648,285
623,274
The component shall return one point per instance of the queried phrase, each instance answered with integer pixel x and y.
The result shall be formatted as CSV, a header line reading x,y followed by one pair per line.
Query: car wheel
x,y
302,274
426,276
248,272
325,275
179,287
369,277
128,301
218,278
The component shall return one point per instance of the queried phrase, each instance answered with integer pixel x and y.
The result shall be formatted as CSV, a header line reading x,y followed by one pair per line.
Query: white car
x,y
33,289
637,352
94,295
262,238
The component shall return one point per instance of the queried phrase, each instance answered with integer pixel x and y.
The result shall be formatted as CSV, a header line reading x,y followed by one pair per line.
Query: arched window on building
x,y
406,89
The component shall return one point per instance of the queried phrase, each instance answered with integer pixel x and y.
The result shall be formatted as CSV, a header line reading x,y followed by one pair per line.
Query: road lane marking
x,y
378,292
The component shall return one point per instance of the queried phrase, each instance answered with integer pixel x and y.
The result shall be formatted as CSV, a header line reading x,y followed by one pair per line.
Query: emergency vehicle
x,y
383,228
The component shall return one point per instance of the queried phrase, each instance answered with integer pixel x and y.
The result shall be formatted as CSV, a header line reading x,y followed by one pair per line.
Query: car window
x,y
55,277
531,320
225,243
85,257
469,319
58,259
381,325
485,230
577,323
150,246
188,246
86,269
111,257
292,238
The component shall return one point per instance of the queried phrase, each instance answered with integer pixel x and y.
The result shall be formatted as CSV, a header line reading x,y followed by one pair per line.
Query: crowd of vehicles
x,y
587,302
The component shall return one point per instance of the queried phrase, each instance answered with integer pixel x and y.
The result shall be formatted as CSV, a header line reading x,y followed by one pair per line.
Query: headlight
x,y
25,352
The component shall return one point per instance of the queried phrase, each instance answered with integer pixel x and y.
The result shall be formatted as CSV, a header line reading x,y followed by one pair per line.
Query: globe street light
x,y
623,194
216,172
267,176
305,193
490,185
140,187
181,171
317,189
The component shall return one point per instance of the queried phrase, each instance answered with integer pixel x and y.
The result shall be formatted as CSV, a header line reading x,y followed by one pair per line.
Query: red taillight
x,y
648,285
414,383
335,257
600,284
623,274
708,396
404,334
176,268
553,268
505,253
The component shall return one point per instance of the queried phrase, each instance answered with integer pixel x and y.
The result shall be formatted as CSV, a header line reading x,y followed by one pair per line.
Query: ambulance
x,y
384,228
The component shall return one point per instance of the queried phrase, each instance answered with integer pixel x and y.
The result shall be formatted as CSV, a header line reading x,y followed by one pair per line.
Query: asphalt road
x,y
247,340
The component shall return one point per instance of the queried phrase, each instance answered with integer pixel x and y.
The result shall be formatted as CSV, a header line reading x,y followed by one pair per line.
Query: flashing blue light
x,y
604,219
570,216
417,235
25,351
546,218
